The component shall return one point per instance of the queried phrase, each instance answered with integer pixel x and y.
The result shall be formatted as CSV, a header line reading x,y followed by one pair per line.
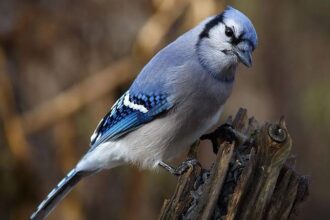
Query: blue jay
x,y
177,97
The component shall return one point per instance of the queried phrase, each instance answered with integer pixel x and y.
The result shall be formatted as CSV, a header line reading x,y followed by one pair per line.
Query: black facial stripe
x,y
237,40
215,21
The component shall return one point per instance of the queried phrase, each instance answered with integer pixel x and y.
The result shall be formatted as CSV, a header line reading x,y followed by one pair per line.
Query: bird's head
x,y
227,39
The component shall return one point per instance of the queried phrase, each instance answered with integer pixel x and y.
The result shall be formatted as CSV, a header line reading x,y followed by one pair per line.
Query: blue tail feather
x,y
58,193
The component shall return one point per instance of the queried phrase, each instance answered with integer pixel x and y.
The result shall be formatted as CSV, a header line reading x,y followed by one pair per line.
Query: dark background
x,y
63,64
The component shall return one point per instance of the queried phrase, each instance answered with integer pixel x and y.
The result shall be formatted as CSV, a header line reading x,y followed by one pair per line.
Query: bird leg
x,y
178,171
225,132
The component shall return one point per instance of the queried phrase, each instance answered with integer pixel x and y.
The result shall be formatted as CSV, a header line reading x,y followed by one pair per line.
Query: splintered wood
x,y
252,178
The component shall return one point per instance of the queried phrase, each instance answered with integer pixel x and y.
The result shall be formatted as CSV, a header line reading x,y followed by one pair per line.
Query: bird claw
x,y
178,171
224,132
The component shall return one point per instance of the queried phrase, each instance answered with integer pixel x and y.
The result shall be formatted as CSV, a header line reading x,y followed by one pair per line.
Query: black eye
x,y
229,32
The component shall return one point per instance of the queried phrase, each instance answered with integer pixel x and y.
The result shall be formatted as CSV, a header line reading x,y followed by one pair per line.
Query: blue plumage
x,y
127,114
194,74
57,194
249,33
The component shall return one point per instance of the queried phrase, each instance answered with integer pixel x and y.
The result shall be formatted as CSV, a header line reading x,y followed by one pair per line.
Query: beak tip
x,y
245,58
246,62
249,64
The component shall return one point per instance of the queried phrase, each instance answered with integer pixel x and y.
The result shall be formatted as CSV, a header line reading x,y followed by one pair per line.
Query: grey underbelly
x,y
159,140
166,138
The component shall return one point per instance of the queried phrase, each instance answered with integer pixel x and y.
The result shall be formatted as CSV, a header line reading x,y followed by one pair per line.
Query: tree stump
x,y
251,178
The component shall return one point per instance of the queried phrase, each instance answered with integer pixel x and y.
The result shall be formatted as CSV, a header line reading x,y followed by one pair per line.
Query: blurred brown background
x,y
63,63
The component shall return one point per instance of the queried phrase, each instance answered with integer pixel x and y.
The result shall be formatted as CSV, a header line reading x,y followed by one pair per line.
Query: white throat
x,y
220,65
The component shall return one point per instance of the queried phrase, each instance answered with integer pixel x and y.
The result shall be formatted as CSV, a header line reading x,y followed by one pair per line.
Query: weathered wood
x,y
270,156
241,188
250,179
215,182
173,208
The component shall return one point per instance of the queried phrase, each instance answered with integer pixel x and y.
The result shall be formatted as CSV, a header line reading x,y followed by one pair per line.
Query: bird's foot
x,y
178,171
225,132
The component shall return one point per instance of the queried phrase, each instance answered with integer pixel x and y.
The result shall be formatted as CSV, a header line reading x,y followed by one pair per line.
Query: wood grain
x,y
252,178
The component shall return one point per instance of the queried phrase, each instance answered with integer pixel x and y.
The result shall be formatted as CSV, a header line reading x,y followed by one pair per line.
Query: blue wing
x,y
127,114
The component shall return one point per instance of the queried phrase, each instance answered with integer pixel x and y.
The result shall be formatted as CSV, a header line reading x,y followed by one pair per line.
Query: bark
x,y
251,178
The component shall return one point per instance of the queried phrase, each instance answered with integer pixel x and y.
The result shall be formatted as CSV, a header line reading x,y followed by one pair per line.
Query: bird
x,y
177,97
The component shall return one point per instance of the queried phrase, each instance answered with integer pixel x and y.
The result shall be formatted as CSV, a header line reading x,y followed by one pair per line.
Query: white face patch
x,y
218,39
235,26
134,106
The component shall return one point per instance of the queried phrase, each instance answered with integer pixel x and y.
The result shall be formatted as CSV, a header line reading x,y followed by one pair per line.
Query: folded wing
x,y
127,114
